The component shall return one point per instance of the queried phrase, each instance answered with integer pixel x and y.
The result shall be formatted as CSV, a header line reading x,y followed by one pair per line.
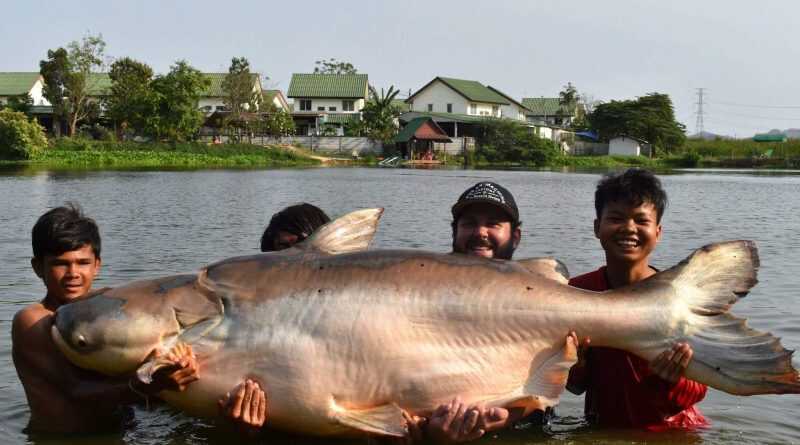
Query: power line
x,y
750,116
777,107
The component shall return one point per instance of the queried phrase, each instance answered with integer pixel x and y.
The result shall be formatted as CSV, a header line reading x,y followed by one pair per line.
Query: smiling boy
x,y
623,390
62,397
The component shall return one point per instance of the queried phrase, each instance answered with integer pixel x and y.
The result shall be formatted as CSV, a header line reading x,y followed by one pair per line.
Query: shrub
x,y
20,138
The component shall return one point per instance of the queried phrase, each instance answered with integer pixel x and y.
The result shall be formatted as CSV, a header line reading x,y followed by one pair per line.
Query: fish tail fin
x,y
728,355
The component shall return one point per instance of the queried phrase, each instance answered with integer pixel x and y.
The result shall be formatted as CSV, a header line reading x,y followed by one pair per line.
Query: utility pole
x,y
698,126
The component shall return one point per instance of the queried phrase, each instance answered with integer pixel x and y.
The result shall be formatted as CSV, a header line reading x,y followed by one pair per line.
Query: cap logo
x,y
485,190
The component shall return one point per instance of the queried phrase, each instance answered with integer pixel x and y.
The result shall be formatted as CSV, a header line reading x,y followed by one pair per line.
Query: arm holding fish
x,y
668,370
245,406
455,422
578,374
38,359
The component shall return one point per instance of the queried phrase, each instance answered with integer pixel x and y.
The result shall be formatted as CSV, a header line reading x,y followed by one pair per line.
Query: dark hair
x,y
63,229
300,220
635,186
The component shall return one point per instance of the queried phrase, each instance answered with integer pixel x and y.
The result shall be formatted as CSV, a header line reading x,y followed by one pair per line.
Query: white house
x,y
18,84
213,98
459,96
326,102
514,109
625,145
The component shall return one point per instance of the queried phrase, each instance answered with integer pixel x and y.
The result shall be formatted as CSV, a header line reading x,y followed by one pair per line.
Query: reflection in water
x,y
161,223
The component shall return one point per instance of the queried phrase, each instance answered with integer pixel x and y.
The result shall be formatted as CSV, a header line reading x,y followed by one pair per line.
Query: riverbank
x,y
82,153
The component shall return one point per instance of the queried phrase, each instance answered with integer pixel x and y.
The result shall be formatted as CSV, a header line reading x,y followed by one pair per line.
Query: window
x,y
495,111
449,108
331,108
320,108
348,105
207,108
473,109
221,108
430,107
305,104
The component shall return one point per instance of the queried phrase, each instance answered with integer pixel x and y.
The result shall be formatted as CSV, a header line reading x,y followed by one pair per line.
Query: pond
x,y
160,223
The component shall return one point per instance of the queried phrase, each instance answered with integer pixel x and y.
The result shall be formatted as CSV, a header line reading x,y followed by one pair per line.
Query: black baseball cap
x,y
489,193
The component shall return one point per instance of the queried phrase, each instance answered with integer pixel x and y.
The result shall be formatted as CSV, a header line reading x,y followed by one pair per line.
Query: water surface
x,y
159,223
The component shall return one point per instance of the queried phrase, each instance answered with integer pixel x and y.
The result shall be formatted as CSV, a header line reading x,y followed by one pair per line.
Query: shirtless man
x,y
62,397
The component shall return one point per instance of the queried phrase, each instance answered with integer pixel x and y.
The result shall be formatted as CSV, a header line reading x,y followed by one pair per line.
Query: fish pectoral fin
x,y
528,404
385,420
547,267
350,233
550,378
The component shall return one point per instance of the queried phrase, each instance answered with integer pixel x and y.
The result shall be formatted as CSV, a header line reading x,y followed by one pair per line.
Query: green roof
x,y
472,90
215,89
407,133
347,86
770,137
99,84
546,106
444,117
15,84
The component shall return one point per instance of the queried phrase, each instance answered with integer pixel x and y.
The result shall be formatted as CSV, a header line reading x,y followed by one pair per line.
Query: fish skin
x,y
334,338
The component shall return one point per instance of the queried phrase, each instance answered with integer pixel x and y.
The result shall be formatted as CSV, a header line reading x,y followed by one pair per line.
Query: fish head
x,y
113,331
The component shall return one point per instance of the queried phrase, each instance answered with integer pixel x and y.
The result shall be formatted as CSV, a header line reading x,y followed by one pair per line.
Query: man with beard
x,y
485,223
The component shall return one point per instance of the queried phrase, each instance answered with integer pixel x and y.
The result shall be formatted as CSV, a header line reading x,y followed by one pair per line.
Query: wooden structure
x,y
415,140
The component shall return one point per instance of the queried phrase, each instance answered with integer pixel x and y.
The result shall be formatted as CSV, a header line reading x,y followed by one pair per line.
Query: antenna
x,y
698,126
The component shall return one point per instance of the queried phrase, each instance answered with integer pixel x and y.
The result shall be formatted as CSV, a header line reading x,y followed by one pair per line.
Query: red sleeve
x,y
686,393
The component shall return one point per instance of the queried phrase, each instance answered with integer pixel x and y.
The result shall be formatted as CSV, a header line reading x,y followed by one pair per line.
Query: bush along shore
x,y
85,153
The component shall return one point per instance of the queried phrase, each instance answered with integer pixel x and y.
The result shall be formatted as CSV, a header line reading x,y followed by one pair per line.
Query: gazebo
x,y
415,141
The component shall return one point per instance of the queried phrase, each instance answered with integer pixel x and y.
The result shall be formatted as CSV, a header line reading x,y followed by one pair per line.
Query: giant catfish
x,y
343,339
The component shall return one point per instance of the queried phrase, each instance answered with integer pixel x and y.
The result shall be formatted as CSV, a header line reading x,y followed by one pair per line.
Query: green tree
x,y
650,117
68,78
177,94
568,97
278,123
239,87
21,103
379,114
504,140
333,66
20,138
132,100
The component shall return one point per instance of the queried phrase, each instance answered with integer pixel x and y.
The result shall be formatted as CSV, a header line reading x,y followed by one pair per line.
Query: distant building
x,y
626,146
18,84
549,111
213,98
327,102
459,96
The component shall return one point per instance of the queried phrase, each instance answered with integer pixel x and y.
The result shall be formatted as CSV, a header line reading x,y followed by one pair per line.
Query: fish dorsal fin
x,y
350,233
385,420
547,267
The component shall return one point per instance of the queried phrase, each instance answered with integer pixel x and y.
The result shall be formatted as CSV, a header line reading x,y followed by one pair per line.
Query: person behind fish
x,y
246,404
623,390
291,226
485,223
63,398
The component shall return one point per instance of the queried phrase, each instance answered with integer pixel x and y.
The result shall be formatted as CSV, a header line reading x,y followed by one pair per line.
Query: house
x,y
213,98
458,96
18,83
626,146
326,102
277,100
550,111
514,109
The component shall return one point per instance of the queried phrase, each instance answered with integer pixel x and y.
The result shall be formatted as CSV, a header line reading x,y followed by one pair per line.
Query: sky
x,y
745,55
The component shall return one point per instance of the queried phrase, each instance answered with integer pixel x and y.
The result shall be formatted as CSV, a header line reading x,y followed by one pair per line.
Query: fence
x,y
583,148
345,146
457,147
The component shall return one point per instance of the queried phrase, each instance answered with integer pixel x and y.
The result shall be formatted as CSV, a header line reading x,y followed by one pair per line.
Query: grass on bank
x,y
83,153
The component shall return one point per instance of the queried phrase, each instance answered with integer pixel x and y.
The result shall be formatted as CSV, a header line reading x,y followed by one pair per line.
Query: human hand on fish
x,y
456,422
246,407
178,368
671,364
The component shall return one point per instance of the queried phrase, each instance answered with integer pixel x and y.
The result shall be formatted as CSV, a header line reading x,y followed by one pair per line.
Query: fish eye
x,y
82,343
